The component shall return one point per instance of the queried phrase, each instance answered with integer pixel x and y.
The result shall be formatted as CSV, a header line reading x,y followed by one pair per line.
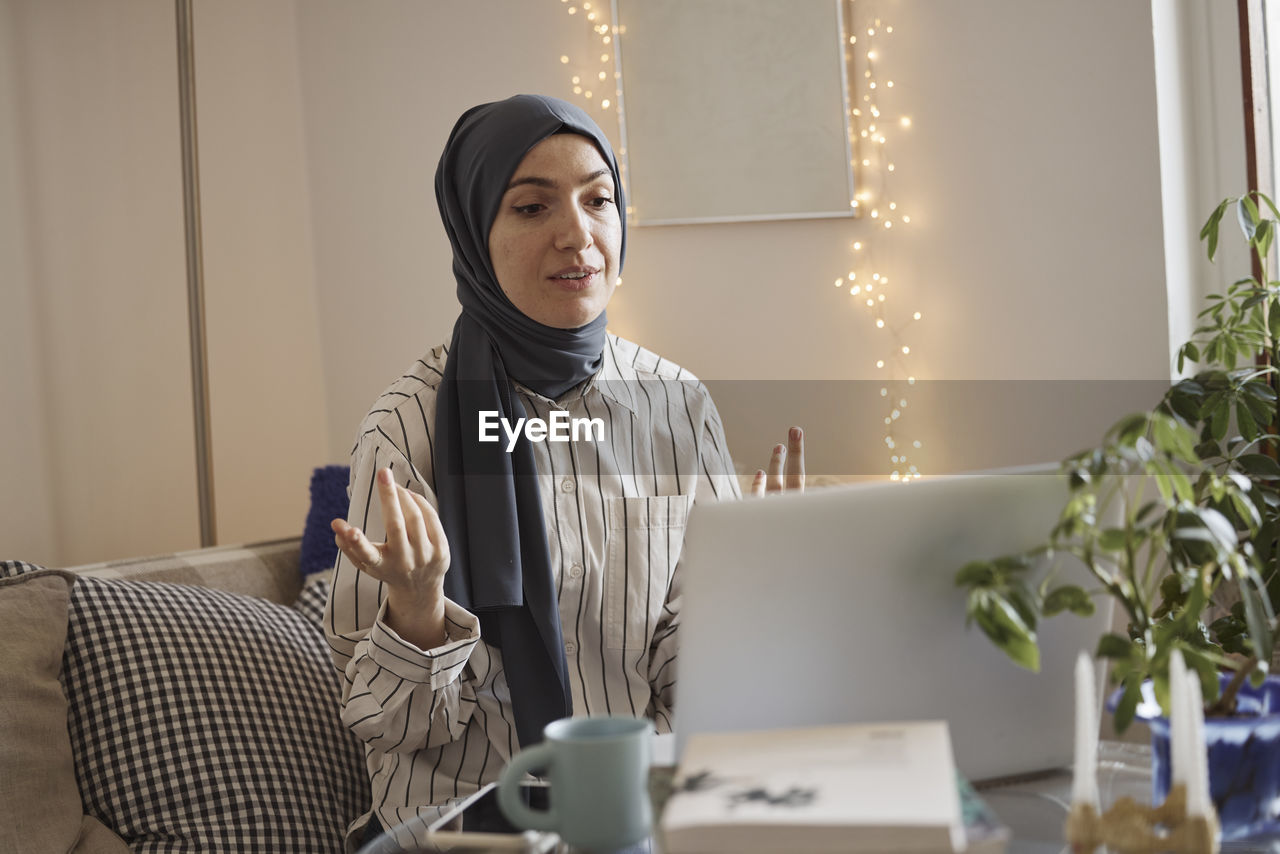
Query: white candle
x,y
1180,750
1198,802
1084,783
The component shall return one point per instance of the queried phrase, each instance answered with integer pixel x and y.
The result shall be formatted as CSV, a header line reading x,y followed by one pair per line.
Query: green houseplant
x,y
1175,515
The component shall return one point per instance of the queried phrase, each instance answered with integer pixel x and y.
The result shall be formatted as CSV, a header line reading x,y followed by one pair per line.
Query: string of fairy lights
x,y
865,281
596,81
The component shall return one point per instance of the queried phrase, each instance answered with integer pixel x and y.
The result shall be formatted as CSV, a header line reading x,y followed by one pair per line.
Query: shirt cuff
x,y
439,665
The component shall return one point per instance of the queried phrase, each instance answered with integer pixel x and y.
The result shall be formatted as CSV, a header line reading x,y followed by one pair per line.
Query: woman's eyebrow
x,y
538,181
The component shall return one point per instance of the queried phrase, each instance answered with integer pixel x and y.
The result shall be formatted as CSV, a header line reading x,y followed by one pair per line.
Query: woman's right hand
x,y
412,562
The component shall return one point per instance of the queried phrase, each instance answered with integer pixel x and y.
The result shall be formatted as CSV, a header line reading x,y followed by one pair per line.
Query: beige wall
x,y
97,308
1036,253
1031,173
265,364
26,513
98,154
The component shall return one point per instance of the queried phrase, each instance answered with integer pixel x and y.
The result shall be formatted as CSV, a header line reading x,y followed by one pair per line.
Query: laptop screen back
x,y
839,605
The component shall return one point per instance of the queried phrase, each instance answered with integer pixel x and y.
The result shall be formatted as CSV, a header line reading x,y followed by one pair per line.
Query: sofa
x,y
178,703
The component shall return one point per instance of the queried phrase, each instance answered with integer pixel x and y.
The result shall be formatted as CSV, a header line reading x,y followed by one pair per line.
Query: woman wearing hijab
x,y
517,582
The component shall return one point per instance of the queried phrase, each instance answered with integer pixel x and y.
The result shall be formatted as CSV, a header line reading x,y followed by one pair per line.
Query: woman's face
x,y
556,239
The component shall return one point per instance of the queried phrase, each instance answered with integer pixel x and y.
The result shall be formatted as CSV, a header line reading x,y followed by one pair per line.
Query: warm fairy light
x,y
874,196
605,103
564,60
573,10
576,79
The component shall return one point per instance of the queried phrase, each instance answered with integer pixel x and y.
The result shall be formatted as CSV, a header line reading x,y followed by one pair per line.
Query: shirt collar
x,y
616,380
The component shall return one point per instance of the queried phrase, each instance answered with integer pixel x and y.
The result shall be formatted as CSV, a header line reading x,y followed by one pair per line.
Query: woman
x,y
548,584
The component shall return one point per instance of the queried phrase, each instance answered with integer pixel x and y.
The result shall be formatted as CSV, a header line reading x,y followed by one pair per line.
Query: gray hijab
x,y
490,506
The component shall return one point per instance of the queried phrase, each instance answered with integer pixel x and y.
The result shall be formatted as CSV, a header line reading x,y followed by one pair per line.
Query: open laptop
x,y
839,606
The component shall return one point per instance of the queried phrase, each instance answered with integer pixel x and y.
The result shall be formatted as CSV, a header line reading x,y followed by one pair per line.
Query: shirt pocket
x,y
644,543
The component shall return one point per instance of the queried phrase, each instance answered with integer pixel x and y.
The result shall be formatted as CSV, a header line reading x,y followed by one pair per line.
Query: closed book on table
x,y
887,787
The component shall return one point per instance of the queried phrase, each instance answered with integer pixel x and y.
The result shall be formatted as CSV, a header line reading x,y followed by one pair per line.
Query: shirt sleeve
x,y
396,697
717,481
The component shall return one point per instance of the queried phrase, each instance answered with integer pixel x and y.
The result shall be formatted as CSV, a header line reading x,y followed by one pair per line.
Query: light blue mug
x,y
599,773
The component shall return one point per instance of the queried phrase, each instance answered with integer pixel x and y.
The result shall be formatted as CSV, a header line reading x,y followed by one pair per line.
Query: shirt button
x,y
566,485
570,647
575,571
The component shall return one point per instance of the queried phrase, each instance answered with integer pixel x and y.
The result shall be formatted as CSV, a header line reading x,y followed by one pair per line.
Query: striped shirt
x,y
437,723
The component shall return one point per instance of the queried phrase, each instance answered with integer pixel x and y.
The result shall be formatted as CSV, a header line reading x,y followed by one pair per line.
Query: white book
x,y
858,787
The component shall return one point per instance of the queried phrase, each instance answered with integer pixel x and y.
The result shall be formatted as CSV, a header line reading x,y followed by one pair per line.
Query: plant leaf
x,y
1114,646
1128,702
1068,598
1247,216
1210,229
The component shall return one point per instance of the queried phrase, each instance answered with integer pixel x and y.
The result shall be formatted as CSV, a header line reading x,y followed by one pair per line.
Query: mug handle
x,y
538,756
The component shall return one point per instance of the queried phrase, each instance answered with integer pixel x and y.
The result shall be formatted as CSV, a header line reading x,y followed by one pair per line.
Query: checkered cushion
x,y
207,721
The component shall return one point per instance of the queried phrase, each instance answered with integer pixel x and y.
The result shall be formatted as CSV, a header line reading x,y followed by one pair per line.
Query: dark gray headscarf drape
x,y
490,506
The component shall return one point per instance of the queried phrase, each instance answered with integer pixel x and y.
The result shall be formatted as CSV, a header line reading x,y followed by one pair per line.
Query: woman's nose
x,y
573,231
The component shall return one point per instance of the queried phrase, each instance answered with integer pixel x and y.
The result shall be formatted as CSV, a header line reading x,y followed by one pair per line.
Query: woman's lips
x,y
576,280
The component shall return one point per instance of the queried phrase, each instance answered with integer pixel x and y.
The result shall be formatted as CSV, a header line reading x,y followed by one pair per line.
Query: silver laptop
x,y
839,606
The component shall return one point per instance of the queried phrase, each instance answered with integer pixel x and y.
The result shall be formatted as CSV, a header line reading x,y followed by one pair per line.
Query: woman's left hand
x,y
786,467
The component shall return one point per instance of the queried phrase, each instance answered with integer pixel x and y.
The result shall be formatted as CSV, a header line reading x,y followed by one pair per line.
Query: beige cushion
x,y
40,808
268,569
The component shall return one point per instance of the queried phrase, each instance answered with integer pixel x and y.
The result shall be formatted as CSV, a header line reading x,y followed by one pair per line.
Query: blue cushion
x,y
328,501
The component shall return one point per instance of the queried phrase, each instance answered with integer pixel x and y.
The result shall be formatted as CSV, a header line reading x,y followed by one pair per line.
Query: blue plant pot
x,y
1244,757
